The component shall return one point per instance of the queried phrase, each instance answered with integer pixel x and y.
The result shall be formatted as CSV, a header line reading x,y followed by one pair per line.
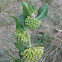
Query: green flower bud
x,y
32,54
32,23
21,36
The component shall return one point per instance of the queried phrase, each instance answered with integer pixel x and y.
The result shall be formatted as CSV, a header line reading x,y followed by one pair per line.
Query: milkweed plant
x,y
28,52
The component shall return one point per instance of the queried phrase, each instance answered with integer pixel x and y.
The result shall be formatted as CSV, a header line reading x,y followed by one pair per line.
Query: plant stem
x,y
29,39
36,44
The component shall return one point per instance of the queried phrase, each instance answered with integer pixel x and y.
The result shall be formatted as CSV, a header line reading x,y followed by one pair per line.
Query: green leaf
x,y
21,19
21,50
42,12
20,22
33,8
18,60
19,27
18,45
15,19
41,41
27,9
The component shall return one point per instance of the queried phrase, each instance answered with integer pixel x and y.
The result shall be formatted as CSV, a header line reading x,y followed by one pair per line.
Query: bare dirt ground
x,y
50,25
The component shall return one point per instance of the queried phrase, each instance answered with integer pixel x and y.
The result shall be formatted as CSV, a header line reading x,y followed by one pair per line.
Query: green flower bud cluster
x,y
32,54
32,23
21,36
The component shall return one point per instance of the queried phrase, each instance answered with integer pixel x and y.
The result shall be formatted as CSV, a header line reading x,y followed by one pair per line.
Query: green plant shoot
x,y
28,52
